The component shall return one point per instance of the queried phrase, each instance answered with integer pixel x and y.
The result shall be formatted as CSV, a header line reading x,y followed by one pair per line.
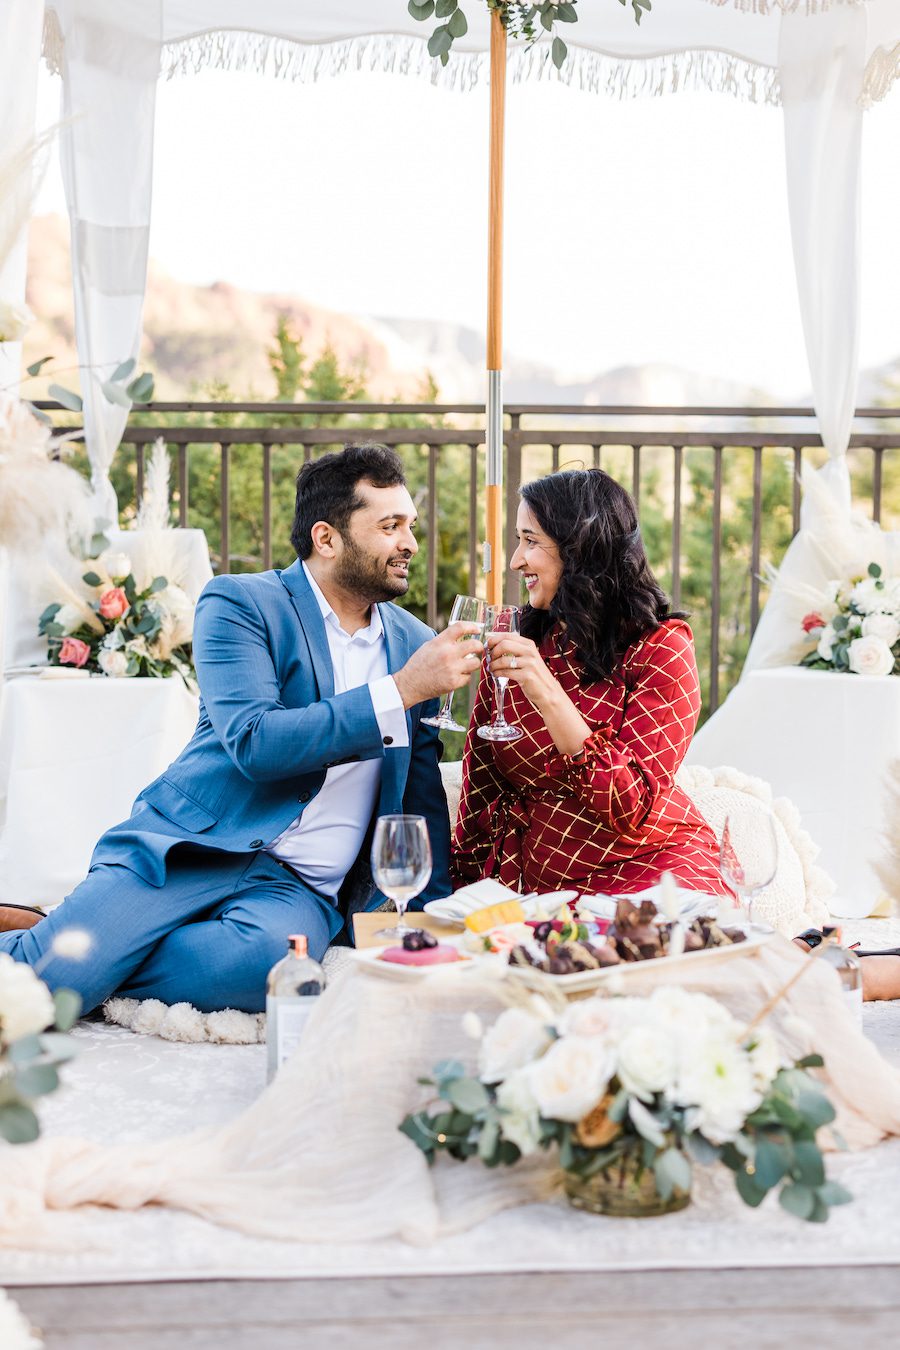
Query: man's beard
x,y
359,574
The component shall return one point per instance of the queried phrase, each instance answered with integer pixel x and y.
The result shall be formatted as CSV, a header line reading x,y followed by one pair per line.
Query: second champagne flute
x,y
500,619
466,609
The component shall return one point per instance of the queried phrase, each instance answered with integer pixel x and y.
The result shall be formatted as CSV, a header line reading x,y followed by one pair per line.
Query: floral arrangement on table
x,y
631,1090
520,19
117,629
857,627
30,1053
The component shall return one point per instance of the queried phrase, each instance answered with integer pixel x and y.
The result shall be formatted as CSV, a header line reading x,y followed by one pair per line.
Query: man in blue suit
x,y
313,688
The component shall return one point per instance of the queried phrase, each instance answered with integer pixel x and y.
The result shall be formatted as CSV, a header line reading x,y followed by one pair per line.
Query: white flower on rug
x,y
870,656
521,1119
515,1039
15,1333
569,1080
26,1006
883,626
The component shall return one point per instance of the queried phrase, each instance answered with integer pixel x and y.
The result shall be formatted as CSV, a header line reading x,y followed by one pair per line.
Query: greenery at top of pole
x,y
520,19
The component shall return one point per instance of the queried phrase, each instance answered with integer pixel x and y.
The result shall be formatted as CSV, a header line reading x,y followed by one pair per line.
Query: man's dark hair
x,y
327,488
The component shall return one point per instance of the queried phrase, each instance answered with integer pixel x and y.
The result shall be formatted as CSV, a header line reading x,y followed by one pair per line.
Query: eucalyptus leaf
x,y
798,1200
831,1193
702,1149
158,584
448,1068
124,370
488,1140
39,414
59,1047
36,1080
567,13
24,1049
810,1062
18,1123
35,367
644,1123
808,1165
66,397
49,613
458,24
815,1108
548,14
444,8
114,393
747,1189
423,11
559,51
440,42
874,570
772,1162
467,1094
141,389
92,579
68,1008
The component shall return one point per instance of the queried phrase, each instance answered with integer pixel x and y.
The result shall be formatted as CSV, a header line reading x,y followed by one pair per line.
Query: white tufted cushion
x,y
797,897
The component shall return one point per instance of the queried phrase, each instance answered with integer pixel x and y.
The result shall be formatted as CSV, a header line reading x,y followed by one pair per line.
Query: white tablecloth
x,y
74,753
825,741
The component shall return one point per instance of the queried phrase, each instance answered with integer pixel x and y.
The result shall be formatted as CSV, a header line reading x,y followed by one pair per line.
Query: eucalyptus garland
x,y
520,19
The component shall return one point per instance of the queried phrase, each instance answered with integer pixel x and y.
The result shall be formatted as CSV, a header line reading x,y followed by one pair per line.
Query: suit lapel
x,y
293,579
397,651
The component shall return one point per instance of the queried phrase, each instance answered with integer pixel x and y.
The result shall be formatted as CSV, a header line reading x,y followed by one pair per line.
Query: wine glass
x,y
748,856
466,609
500,619
401,863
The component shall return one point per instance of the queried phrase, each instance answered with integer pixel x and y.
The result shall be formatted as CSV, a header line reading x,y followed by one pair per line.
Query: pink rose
x,y
809,622
73,652
113,603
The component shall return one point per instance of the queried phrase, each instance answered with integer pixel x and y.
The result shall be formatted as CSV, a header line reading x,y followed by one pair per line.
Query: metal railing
x,y
659,453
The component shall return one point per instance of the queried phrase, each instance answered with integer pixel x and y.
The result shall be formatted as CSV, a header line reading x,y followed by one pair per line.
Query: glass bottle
x,y
847,965
292,987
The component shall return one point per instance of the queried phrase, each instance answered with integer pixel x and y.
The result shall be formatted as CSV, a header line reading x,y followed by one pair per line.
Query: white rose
x,y
176,609
137,647
719,1084
69,618
520,1123
867,595
569,1080
870,656
883,626
515,1039
118,565
766,1058
825,644
14,321
647,1062
26,1006
590,1017
112,663
15,1333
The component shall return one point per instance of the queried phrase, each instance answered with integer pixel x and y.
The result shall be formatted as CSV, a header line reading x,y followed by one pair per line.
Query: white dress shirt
x,y
322,844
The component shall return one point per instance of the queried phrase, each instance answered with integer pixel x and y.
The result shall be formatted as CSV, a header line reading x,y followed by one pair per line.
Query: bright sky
x,y
639,231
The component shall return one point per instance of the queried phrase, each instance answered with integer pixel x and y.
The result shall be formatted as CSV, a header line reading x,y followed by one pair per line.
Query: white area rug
x,y
122,1088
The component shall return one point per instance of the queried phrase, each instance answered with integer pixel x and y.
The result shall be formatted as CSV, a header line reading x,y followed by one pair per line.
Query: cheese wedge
x,y
508,911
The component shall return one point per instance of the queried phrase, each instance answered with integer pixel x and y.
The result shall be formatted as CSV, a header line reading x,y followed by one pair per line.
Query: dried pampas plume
x,y
153,512
887,867
41,500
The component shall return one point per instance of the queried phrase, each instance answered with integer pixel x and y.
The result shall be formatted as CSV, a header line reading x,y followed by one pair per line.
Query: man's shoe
x,y
15,917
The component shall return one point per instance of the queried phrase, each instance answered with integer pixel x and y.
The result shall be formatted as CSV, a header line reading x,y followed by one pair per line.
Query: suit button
x,y
256,843
304,797
389,740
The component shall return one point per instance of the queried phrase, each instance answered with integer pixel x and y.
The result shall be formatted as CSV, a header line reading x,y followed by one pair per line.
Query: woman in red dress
x,y
603,684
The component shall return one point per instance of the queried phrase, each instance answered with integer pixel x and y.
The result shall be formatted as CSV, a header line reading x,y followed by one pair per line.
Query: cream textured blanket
x,y
318,1157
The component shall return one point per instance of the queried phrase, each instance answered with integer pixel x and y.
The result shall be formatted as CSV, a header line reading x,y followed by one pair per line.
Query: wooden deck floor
x,y
668,1310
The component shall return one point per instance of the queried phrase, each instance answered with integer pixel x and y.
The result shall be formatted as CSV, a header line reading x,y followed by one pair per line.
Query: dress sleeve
x,y
482,785
622,775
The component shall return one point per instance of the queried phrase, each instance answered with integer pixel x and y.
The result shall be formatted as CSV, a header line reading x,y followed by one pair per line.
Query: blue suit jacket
x,y
270,726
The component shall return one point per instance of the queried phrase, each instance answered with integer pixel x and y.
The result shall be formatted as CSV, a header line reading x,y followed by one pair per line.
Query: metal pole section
x,y
493,559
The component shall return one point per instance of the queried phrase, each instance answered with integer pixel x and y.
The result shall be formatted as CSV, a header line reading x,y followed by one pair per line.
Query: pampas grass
x,y
153,512
41,500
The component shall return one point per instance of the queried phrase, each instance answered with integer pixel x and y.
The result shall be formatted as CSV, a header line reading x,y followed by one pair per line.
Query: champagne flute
x,y
401,863
748,857
466,609
500,619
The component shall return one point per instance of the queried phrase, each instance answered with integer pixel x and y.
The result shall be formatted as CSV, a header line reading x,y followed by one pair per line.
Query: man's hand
x,y
441,665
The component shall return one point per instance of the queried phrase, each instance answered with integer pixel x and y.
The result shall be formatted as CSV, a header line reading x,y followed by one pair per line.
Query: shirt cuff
x,y
390,713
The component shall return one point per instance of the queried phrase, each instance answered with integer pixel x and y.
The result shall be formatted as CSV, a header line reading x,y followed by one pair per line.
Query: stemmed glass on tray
x,y
401,864
748,856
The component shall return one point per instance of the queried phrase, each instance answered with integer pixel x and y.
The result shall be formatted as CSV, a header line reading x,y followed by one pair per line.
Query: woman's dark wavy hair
x,y
607,596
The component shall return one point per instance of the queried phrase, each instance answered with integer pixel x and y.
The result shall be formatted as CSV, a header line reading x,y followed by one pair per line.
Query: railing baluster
x,y
716,599
876,484
431,600
225,524
267,506
795,494
756,540
139,473
183,486
676,526
636,477
596,456
554,458
473,519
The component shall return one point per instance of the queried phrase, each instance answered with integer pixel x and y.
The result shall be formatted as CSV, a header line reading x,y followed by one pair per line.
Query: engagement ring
x,y
513,663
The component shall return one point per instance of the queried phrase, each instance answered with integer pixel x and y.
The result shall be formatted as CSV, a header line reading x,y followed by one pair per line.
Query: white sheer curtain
x,y
20,23
822,60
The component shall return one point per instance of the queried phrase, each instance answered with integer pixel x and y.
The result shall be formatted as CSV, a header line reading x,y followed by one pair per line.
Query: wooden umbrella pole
x,y
493,562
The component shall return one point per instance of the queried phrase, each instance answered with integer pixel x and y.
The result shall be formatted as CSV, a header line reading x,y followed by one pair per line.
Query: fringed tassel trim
x,y
54,42
881,72
786,6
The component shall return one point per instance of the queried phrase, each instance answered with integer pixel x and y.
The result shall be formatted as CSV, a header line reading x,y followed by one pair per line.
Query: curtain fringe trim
x,y
787,6
881,72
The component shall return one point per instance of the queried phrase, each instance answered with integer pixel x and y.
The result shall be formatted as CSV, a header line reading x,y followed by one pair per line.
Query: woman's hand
x,y
518,658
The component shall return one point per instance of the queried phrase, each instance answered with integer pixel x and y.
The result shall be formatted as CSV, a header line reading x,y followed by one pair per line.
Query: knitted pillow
x,y
797,897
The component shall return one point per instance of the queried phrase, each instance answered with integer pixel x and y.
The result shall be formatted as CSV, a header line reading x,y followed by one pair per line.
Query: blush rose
x,y
73,652
113,603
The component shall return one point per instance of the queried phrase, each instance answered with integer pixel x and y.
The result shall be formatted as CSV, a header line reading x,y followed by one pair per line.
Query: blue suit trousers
x,y
208,937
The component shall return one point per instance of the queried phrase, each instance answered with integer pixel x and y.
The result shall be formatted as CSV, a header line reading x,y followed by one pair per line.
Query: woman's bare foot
x,y
880,977
15,917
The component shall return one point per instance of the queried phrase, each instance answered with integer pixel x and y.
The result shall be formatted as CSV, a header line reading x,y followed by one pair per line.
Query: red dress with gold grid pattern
x,y
614,822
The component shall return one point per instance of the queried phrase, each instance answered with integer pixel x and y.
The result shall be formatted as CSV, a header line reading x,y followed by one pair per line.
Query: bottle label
x,y
289,1015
